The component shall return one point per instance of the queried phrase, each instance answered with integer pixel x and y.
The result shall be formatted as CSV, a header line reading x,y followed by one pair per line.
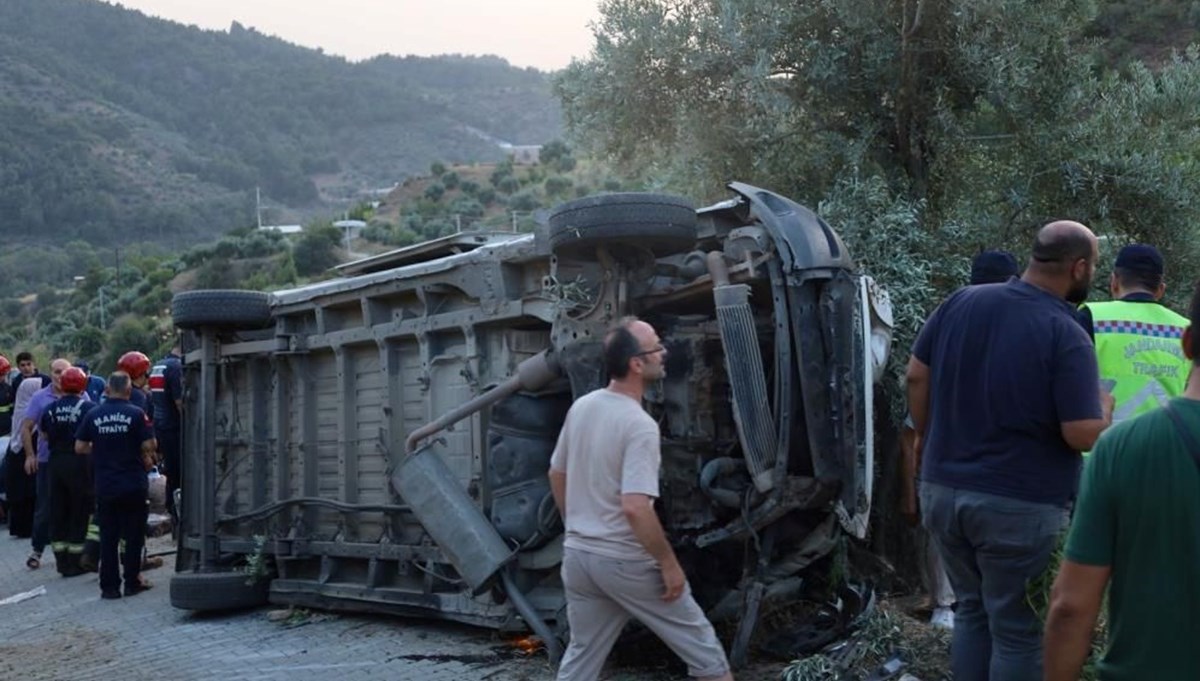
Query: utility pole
x,y
457,223
514,220
258,206
102,324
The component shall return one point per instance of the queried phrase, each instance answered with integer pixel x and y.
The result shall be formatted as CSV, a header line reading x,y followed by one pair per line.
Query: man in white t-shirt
x,y
617,562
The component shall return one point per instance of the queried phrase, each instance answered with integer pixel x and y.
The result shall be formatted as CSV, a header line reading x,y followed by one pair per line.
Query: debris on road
x,y
17,598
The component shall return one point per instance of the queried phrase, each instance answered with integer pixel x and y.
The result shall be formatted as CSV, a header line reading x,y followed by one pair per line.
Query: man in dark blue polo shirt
x,y
1005,392
118,436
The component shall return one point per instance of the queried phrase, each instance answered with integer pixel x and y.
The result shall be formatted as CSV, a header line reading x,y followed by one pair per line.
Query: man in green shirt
x,y
1136,532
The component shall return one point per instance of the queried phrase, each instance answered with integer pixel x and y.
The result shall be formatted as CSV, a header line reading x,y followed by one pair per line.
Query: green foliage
x,y
509,185
524,201
89,342
216,273
131,333
435,191
166,133
315,251
437,168
1038,594
557,155
450,180
1132,31
379,233
362,211
47,297
503,171
922,137
557,185
553,151
467,207
256,567
881,634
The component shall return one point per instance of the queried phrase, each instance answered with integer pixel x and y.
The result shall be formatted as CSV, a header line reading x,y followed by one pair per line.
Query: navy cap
x,y
1140,258
82,365
993,267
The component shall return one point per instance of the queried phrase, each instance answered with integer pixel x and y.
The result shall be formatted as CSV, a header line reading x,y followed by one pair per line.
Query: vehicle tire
x,y
662,223
220,308
208,591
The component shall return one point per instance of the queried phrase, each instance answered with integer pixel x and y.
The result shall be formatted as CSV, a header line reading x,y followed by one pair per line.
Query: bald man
x,y
1005,392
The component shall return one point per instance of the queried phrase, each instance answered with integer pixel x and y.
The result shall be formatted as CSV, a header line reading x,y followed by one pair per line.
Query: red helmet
x,y
73,381
134,363
5,366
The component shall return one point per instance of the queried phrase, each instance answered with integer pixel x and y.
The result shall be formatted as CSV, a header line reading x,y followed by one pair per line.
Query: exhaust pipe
x,y
534,373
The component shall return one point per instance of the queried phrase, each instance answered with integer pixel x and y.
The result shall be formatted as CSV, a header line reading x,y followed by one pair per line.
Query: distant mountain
x,y
118,127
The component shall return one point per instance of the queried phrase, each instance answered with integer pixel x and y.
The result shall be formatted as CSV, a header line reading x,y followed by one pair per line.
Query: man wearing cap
x,y
1137,338
993,267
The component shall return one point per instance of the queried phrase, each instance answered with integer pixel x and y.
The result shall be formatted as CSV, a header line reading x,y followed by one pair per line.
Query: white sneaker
x,y
942,618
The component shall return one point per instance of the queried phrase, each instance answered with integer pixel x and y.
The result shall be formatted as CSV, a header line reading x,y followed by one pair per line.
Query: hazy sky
x,y
544,34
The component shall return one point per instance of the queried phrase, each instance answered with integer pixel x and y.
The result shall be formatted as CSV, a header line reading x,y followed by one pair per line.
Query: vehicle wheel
x,y
231,309
207,591
664,224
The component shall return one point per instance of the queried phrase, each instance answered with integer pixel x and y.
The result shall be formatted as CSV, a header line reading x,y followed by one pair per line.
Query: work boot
x,y
72,567
62,560
88,560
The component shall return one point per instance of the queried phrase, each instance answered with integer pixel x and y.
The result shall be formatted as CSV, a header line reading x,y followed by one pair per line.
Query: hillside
x,y
120,127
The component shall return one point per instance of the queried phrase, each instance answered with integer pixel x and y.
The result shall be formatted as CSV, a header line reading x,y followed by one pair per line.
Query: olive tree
x,y
922,130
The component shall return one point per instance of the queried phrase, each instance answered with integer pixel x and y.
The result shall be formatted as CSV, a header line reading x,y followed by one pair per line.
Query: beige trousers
x,y
603,594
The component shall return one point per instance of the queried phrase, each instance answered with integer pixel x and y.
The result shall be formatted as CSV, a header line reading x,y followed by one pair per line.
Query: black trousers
x,y
22,496
121,517
169,445
71,501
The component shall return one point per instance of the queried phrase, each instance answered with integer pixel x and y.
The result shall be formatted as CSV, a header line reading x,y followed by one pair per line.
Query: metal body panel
x,y
294,434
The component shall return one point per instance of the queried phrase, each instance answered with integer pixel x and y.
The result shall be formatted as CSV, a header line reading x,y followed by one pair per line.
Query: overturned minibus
x,y
380,441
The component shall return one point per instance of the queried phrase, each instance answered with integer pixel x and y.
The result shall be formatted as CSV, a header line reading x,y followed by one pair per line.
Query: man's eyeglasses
x,y
655,350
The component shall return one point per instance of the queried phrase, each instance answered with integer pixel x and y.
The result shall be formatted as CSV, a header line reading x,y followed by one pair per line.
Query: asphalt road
x,y
70,633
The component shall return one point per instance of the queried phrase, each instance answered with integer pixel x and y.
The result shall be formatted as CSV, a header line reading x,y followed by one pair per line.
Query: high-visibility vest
x,y
1139,348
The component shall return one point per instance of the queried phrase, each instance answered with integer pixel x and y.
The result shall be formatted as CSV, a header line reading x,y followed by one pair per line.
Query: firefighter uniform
x,y
120,439
71,495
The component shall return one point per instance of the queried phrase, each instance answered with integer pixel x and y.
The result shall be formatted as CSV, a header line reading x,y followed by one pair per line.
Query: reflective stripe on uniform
x,y
1138,348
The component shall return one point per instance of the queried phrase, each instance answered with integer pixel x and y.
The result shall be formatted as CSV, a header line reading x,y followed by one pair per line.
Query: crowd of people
x,y
77,452
1014,382
1034,416
1042,425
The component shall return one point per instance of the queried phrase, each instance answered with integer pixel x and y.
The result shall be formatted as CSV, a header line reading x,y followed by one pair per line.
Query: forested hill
x,y
119,127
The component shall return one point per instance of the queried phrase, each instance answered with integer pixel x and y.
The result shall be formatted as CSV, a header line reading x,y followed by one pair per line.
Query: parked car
x,y
380,441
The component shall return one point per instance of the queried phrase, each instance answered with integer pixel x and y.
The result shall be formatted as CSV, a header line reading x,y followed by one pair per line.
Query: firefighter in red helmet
x,y
71,493
137,365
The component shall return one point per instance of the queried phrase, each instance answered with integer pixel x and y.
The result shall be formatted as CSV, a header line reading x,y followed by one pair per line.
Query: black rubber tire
x,y
221,308
209,591
662,223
